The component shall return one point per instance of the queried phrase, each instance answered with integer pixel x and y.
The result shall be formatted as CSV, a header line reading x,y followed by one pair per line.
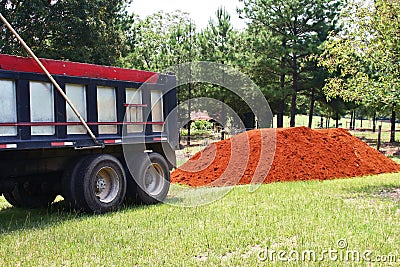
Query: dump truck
x,y
125,153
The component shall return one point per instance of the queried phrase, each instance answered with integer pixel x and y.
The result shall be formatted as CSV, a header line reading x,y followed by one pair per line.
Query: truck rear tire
x,y
95,184
29,195
152,180
67,186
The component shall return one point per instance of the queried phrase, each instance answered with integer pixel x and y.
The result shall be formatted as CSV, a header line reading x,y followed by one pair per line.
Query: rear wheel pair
x,y
98,183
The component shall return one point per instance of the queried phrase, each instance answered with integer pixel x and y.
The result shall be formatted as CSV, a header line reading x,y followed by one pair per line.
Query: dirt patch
x,y
300,154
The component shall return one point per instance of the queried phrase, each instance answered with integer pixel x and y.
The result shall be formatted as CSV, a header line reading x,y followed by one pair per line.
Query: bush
x,y
194,133
201,126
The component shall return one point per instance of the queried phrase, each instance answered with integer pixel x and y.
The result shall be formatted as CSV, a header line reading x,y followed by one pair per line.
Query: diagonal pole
x,y
54,82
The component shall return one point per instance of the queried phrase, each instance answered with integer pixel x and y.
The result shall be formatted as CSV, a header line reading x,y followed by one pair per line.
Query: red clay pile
x,y
300,154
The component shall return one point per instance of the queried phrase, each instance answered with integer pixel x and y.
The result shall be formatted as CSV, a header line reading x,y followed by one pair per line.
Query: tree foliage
x,y
285,33
160,40
76,30
276,49
364,59
218,43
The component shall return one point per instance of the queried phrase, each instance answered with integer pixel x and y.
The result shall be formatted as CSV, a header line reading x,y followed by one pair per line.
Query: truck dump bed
x,y
34,115
46,151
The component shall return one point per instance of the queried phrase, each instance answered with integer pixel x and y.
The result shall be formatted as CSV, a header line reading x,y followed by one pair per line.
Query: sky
x,y
200,11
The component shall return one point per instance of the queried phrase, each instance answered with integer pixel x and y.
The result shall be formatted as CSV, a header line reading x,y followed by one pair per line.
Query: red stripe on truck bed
x,y
58,67
35,124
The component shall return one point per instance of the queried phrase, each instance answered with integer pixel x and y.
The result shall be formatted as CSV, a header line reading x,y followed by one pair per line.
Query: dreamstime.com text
x,y
340,254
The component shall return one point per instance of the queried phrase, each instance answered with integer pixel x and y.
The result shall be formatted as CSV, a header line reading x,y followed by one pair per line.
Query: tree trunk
x,y
223,117
312,103
188,136
279,118
189,112
281,108
223,111
337,120
354,120
393,125
294,95
351,120
374,122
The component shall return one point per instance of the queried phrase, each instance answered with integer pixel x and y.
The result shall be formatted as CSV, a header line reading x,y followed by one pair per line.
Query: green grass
x,y
372,138
396,159
231,231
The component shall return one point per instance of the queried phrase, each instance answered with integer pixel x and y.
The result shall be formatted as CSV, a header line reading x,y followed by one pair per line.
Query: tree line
x,y
308,56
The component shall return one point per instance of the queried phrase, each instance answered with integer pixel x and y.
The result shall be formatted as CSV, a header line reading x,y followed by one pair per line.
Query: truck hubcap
x,y
154,179
106,185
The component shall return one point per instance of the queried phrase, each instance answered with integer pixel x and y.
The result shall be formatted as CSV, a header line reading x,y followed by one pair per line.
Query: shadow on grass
x,y
15,219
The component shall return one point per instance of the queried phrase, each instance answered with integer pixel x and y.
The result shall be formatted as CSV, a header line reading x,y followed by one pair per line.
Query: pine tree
x,y
286,33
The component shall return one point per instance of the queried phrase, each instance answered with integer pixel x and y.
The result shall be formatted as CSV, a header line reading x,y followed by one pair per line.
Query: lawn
x,y
305,220
237,230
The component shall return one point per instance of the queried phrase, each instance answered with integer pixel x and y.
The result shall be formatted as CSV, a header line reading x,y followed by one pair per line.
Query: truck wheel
x,y
152,179
67,186
29,195
97,184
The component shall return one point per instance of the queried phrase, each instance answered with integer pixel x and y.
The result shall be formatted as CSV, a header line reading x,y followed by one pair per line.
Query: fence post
x,y
379,137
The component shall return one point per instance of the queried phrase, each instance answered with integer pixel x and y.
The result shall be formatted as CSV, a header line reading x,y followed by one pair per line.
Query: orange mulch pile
x,y
273,155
